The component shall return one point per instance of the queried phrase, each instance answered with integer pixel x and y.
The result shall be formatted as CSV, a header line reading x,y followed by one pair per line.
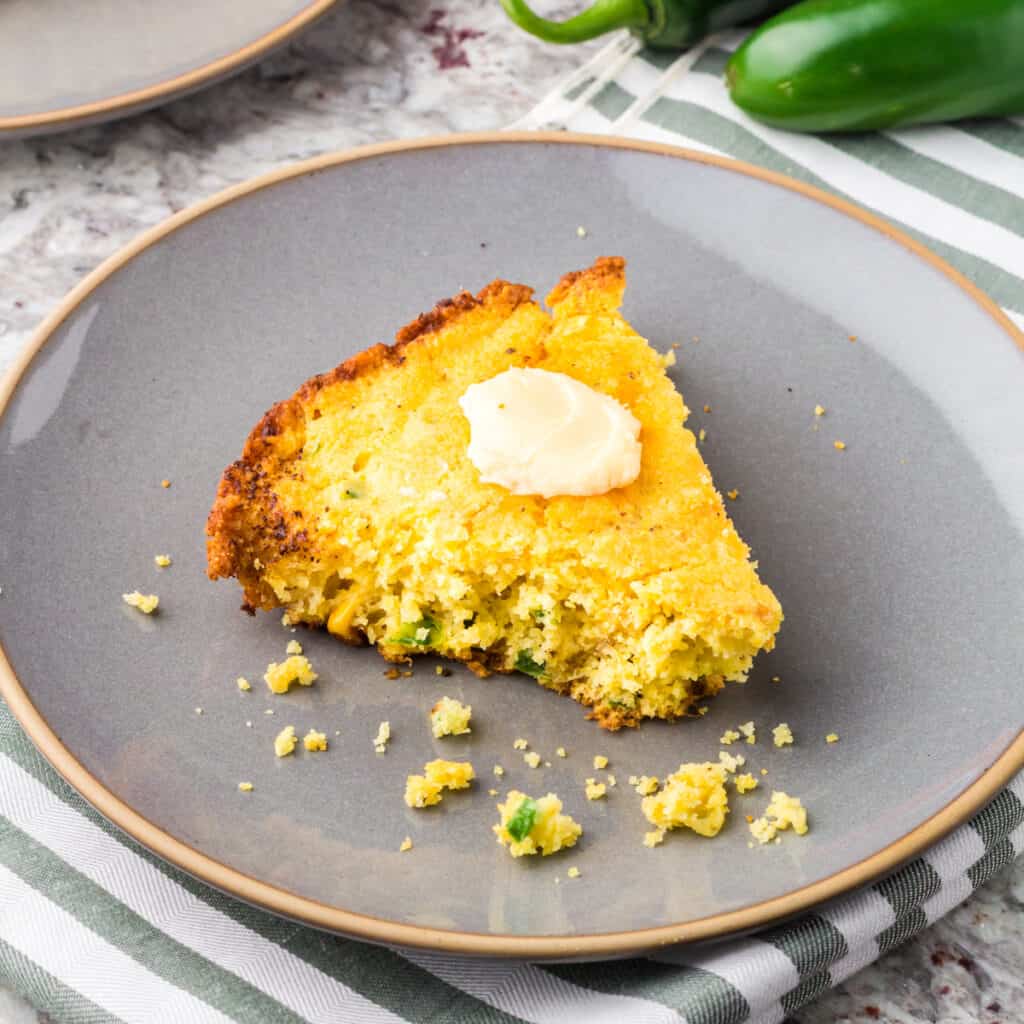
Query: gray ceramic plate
x,y
66,64
899,561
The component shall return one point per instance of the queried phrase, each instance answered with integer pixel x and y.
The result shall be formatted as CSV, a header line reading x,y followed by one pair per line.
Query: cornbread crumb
x,y
532,758
764,771
573,872
668,360
520,744
733,494
528,827
782,812
405,845
294,647
450,718
498,770
729,762
560,751
600,761
747,729
776,679
284,741
286,620
645,785
832,737
245,787
655,838
165,483
839,445
703,710
294,669
819,410
162,561
693,797
729,736
702,436
595,790
450,774
782,735
243,684
745,783
581,232
314,740
380,741
269,711
420,792
707,408
492,792
611,780
146,603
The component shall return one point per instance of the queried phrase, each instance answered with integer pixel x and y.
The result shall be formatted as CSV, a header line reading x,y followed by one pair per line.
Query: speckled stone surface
x,y
373,71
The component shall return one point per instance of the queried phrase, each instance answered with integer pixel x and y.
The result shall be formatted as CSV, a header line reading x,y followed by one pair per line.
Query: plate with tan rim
x,y
64,65
899,560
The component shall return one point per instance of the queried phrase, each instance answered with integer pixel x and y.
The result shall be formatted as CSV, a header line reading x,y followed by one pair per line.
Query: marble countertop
x,y
367,72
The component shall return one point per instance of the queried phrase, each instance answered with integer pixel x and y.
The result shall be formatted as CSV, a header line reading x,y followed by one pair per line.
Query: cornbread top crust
x,y
361,481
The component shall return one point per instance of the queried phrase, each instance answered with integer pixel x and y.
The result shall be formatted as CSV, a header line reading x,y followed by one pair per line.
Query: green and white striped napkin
x,y
93,928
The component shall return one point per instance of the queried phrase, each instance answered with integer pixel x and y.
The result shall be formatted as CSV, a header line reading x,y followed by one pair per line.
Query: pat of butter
x,y
537,432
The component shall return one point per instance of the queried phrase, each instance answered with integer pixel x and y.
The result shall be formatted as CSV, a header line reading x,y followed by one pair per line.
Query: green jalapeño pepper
x,y
665,24
854,65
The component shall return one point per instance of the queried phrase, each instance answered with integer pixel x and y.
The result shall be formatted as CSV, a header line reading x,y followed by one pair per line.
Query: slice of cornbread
x,y
355,505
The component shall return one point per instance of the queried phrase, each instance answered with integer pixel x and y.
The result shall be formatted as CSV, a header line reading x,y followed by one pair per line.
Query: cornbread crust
x,y
270,505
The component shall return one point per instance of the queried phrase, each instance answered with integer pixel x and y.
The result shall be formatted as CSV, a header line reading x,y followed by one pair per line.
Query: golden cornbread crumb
x,y
611,780
314,740
782,812
703,435
819,410
294,647
595,790
269,711
634,625
538,825
532,758
520,744
839,445
747,729
146,603
693,797
729,736
380,741
450,718
655,838
162,561
245,787
243,684
420,792
492,792
450,774
573,872
600,761
294,669
284,741
707,408
703,710
782,735
286,621
832,737
776,679
165,483
645,785
745,783
764,771
406,844
729,762
733,494
561,752
498,770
